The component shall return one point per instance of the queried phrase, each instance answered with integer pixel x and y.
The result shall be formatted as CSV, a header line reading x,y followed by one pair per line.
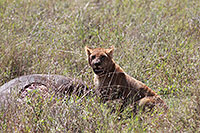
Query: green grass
x,y
157,42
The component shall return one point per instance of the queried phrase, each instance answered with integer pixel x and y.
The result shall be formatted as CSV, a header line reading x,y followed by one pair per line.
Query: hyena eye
x,y
93,57
103,57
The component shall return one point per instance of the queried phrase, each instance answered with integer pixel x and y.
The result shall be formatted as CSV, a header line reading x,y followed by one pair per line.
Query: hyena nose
x,y
97,63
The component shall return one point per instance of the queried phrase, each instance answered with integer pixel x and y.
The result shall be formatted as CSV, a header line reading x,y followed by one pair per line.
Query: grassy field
x,y
156,41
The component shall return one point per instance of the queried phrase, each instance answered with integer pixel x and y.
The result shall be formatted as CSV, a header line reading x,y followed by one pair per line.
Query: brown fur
x,y
113,83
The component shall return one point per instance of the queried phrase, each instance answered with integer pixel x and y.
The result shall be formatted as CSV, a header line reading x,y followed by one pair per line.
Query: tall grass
x,y
157,42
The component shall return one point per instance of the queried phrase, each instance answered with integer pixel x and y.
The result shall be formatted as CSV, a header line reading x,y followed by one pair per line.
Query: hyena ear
x,y
110,51
88,51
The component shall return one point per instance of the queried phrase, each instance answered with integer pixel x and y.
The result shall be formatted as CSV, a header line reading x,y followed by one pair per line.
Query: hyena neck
x,y
114,71
115,68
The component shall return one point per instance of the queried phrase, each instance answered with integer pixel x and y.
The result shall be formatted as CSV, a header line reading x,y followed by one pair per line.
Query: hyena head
x,y
100,59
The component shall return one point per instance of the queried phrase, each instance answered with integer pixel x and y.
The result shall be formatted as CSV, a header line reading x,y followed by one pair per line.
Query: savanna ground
x,y
156,41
